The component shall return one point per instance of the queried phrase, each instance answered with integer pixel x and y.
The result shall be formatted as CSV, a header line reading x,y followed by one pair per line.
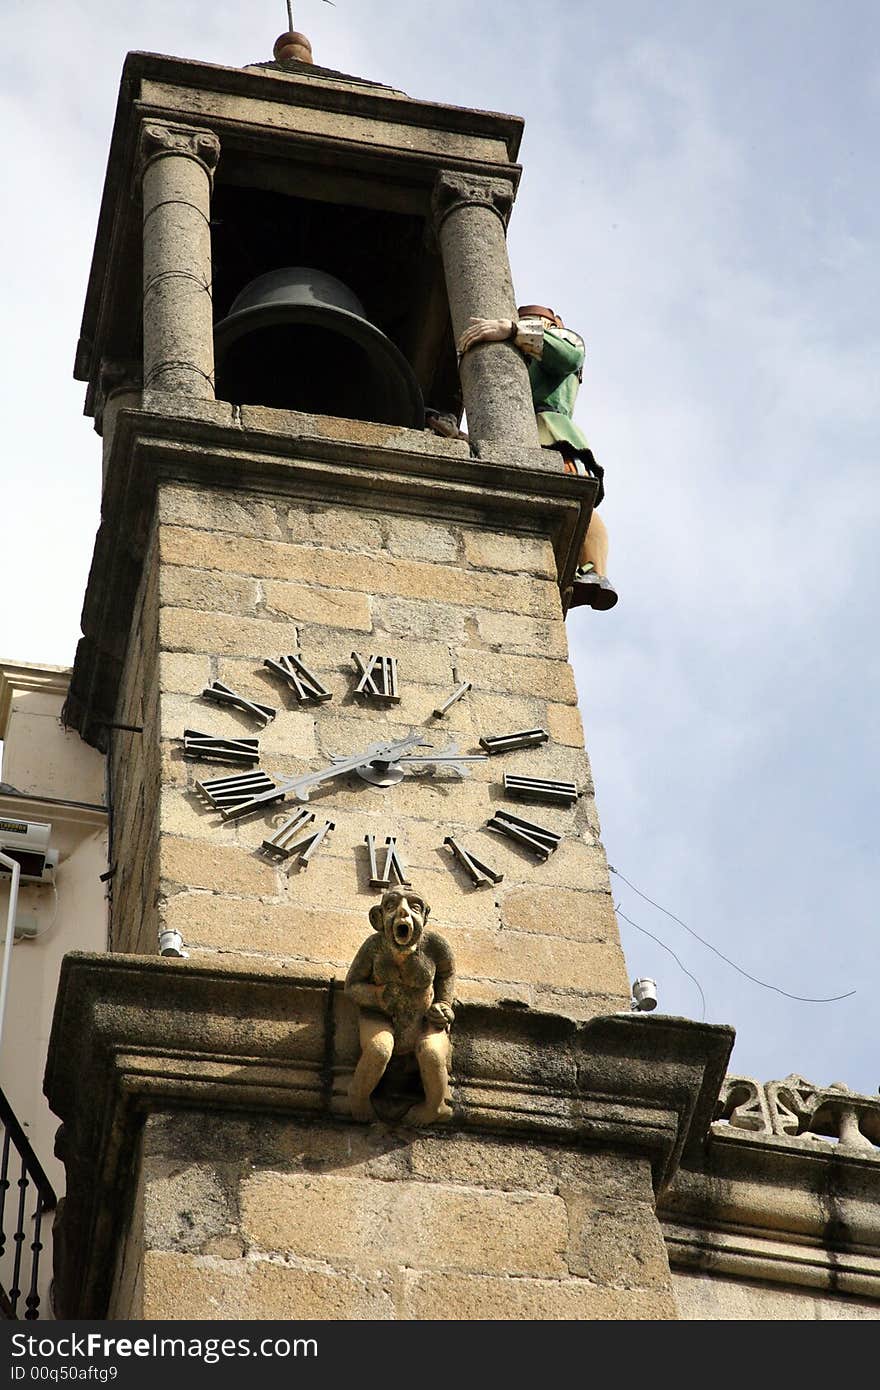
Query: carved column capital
x,y
159,138
115,375
454,190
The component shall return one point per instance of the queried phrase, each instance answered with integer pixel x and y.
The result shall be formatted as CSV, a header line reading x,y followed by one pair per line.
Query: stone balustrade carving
x,y
795,1108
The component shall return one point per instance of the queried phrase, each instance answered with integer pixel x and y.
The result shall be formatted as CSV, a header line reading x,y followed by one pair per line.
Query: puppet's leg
x,y
377,1045
592,588
594,550
432,1055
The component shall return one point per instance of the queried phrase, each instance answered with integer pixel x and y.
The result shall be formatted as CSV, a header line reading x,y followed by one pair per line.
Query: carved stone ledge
x,y
454,190
766,1254
134,1035
763,1200
160,138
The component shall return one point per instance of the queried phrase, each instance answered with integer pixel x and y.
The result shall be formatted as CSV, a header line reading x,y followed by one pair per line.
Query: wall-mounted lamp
x,y
644,996
171,944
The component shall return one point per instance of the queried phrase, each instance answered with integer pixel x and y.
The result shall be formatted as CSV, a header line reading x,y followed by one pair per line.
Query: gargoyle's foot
x,y
362,1109
426,1114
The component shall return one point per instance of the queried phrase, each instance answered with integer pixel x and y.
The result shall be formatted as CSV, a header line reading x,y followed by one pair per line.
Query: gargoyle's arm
x,y
358,981
444,979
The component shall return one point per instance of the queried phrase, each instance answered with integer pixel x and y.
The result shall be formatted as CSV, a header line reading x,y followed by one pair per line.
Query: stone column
x,y
177,166
470,216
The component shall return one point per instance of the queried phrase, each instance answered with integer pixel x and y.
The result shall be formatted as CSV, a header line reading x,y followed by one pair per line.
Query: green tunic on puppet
x,y
555,378
555,357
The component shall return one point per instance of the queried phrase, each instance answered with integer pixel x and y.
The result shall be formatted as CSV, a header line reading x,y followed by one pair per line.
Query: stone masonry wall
x,y
135,778
324,1221
242,579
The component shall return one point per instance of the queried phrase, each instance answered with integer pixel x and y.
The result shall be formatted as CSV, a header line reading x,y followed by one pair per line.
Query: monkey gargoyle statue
x,y
402,980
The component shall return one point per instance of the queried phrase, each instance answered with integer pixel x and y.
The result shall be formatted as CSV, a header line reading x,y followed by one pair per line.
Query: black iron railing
x,y
24,1201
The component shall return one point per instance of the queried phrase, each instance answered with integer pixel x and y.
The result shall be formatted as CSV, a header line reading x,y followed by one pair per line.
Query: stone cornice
x,y
309,457
769,1255
775,1208
134,1035
315,87
47,808
22,676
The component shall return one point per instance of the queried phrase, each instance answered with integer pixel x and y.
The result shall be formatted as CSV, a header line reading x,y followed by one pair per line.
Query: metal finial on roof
x,y
290,11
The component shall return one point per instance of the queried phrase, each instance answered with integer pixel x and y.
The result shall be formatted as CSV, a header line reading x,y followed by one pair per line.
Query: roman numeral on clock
x,y
480,874
239,796
458,693
540,789
393,870
378,677
298,678
221,694
289,840
540,841
220,750
524,738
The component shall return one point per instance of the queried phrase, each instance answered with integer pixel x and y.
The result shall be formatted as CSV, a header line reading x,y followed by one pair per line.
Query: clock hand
x,y
375,753
245,794
387,771
449,757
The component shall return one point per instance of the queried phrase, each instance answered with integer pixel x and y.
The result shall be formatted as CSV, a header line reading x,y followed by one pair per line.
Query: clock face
x,y
290,806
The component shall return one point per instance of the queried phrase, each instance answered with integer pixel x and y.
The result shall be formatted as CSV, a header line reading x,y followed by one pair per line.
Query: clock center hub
x,y
381,774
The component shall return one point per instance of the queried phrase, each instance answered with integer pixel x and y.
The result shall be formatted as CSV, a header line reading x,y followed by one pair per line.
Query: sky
x,y
699,201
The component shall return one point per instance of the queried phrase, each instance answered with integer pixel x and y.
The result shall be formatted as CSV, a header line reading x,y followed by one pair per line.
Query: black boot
x,y
592,590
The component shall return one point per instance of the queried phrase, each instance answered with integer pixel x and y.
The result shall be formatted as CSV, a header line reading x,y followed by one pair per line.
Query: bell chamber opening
x,y
299,339
322,307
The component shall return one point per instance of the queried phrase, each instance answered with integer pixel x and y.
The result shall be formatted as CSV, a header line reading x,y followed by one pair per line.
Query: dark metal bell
x,y
299,339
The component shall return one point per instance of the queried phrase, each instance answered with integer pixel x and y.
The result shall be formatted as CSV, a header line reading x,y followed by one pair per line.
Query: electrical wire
x,y
671,952
801,998
41,931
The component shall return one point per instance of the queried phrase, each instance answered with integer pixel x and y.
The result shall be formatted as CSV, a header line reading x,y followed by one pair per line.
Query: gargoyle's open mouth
x,y
402,933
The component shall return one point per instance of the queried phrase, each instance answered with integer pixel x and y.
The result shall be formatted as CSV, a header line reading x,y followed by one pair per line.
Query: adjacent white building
x,y
48,777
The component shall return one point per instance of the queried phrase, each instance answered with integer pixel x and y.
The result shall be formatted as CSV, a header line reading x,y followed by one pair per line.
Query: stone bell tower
x,y
290,569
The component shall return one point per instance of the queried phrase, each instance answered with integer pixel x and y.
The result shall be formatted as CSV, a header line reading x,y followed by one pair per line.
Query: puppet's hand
x,y
440,1015
486,331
